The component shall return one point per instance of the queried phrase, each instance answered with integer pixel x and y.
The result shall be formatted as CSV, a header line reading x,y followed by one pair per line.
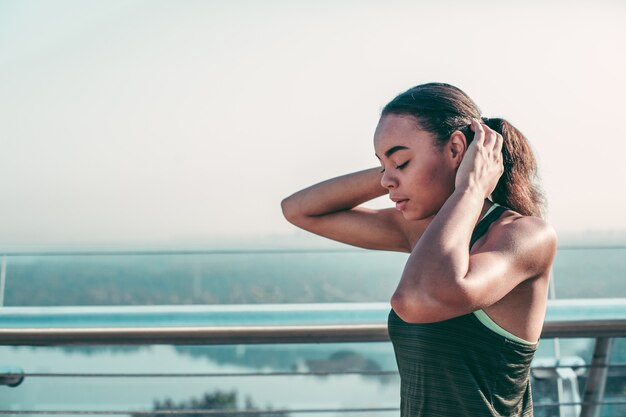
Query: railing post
x,y
564,372
567,386
596,380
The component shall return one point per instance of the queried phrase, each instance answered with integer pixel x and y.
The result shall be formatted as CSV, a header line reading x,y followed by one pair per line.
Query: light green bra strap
x,y
493,326
489,210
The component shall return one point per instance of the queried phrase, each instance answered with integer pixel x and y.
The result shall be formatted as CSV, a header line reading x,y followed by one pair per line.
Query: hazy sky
x,y
173,121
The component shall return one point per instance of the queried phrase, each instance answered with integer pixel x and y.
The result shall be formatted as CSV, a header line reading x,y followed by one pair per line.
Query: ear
x,y
456,147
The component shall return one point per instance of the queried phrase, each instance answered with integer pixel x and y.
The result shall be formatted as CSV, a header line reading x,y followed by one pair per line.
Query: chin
x,y
413,215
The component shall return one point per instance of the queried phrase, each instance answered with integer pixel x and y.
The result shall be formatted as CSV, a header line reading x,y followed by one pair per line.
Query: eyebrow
x,y
393,150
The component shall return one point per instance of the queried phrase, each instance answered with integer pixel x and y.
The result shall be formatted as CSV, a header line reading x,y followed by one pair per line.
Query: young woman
x,y
468,310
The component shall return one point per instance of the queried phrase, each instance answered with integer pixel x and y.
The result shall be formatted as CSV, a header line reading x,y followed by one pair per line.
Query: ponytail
x,y
518,188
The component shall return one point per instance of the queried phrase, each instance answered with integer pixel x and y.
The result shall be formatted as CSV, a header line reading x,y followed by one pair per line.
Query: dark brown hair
x,y
442,109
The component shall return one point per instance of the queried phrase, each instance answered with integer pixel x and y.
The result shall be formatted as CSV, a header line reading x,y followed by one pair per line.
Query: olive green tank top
x,y
466,366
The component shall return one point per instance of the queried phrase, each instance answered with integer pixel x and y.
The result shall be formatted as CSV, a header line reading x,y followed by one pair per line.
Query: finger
x,y
498,145
497,150
490,136
493,140
479,132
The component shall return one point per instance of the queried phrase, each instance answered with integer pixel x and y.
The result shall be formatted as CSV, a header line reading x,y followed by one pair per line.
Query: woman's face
x,y
419,175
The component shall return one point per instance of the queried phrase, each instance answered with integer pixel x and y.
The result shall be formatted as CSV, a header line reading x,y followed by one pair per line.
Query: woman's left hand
x,y
482,166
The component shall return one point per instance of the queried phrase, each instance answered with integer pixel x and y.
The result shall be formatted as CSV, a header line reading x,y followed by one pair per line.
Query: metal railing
x,y
602,320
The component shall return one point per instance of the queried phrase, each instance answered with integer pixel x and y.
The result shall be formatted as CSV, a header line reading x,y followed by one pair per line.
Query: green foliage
x,y
216,401
203,279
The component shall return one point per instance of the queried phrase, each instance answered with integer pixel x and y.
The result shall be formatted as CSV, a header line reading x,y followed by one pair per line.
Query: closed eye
x,y
399,167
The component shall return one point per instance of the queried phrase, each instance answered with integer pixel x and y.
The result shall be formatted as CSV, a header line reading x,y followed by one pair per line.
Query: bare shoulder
x,y
531,240
524,227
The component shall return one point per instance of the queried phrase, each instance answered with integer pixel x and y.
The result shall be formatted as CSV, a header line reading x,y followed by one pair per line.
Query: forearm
x,y
336,194
440,259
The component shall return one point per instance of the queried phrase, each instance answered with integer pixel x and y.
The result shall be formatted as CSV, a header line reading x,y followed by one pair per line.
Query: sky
x,y
166,122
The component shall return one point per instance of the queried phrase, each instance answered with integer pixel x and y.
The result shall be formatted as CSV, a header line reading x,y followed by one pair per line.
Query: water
x,y
140,393
241,278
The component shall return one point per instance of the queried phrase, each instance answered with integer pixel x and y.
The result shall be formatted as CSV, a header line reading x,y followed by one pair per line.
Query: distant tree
x,y
217,401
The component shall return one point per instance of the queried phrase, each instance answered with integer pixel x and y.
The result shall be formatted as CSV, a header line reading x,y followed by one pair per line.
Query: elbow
x,y
399,305
290,209
429,306
286,207
411,309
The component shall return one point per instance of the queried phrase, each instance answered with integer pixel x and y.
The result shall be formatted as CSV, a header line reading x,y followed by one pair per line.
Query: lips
x,y
400,202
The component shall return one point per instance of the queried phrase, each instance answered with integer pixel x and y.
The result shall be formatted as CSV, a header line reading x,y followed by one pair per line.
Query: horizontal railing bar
x,y
161,252
254,334
585,366
193,411
194,335
261,323
257,412
197,375
584,329
252,374
565,404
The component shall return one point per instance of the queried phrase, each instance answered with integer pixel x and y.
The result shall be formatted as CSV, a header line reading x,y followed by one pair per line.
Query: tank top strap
x,y
481,228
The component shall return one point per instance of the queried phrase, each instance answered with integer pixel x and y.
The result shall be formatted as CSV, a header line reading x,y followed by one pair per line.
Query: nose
x,y
388,181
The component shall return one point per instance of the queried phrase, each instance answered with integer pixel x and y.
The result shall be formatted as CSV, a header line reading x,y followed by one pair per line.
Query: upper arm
x,y
512,252
383,229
